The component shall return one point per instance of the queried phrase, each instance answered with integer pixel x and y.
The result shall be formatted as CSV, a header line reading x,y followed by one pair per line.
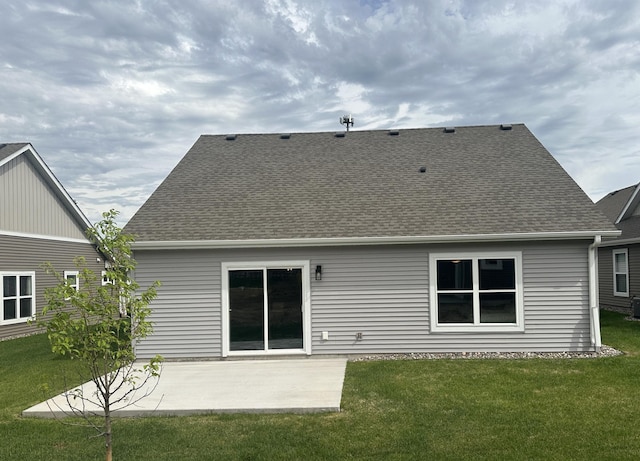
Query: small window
x,y
105,279
17,293
71,277
621,273
476,292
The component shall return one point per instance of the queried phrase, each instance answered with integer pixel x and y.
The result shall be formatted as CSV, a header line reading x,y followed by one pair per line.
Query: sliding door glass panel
x,y
284,290
246,310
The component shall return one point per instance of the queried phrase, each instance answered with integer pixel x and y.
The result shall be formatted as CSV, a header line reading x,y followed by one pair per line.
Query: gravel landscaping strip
x,y
605,351
24,335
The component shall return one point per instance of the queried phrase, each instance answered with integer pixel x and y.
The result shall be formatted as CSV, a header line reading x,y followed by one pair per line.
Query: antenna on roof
x,y
346,120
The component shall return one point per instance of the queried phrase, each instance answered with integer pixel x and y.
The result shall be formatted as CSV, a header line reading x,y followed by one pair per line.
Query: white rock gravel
x,y
605,351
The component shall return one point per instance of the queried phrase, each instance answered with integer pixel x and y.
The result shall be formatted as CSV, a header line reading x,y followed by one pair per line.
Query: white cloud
x,y
113,94
139,88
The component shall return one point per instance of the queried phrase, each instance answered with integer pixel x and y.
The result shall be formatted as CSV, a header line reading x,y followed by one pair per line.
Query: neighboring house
x,y
619,260
417,240
38,222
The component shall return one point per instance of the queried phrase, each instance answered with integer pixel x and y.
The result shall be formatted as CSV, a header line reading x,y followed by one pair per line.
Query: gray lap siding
x,y
605,273
379,291
23,254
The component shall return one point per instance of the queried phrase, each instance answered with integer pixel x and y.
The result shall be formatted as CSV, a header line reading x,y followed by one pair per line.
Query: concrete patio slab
x,y
243,386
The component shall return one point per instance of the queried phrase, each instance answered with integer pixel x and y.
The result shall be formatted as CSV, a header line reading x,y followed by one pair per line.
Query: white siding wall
x,y
382,292
186,314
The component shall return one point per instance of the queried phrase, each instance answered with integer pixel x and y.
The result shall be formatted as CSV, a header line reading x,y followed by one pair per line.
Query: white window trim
x,y
104,279
518,326
306,305
625,252
32,274
75,274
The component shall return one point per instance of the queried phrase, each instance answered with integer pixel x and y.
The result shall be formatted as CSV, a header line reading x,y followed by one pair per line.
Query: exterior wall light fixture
x,y
318,272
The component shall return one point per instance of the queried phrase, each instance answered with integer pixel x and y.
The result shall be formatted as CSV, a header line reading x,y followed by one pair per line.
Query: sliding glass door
x,y
265,309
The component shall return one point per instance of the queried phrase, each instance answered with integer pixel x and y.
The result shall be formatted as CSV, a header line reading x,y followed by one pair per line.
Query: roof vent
x,y
285,136
339,134
394,132
231,137
505,127
450,129
423,169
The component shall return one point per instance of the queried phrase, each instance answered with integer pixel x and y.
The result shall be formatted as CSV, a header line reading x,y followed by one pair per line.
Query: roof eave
x,y
42,237
615,243
347,241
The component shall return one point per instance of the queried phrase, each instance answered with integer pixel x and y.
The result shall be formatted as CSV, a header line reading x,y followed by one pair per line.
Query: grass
x,y
441,409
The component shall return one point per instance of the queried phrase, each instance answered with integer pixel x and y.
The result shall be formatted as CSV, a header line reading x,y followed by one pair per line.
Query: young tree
x,y
98,324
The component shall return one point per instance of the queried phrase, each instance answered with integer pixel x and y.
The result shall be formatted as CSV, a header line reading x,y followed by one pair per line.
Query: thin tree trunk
x,y
107,432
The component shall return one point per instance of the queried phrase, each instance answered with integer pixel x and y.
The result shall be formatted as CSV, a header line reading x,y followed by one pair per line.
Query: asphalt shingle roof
x,y
6,149
478,180
612,205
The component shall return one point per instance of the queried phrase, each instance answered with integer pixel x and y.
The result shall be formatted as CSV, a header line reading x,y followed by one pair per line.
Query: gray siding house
x,y
416,240
38,222
619,260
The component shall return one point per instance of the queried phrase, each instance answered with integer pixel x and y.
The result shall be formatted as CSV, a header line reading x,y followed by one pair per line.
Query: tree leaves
x,y
101,321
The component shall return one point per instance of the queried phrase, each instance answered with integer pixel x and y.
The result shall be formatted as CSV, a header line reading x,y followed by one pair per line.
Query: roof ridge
x,y
614,192
372,130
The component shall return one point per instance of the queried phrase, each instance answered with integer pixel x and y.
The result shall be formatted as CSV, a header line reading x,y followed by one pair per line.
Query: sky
x,y
112,94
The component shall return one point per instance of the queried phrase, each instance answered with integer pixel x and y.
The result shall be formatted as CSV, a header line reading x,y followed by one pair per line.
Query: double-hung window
x,y
72,279
476,292
17,294
621,272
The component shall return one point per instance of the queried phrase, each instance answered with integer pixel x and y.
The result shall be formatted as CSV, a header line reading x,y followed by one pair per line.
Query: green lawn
x,y
441,409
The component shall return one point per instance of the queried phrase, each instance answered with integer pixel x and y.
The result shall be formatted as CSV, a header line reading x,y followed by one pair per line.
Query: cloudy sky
x,y
113,93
